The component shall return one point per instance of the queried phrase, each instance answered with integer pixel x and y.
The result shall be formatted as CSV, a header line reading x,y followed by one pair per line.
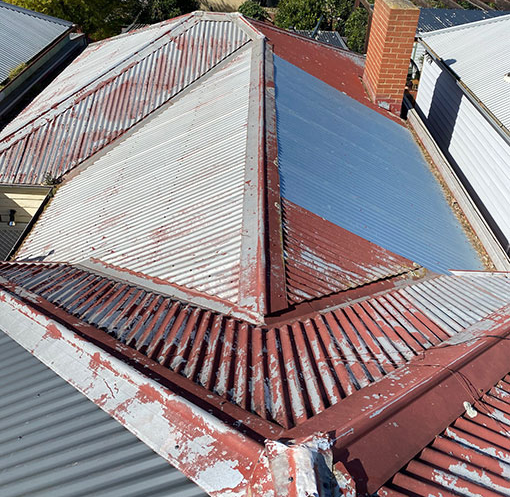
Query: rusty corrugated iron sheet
x,y
110,87
471,457
167,203
285,375
322,258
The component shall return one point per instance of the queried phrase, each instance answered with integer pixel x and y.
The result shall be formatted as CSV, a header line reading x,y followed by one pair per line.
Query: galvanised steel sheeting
x,y
286,374
107,90
471,457
97,60
8,237
363,172
168,201
434,19
469,142
478,54
54,441
24,34
321,258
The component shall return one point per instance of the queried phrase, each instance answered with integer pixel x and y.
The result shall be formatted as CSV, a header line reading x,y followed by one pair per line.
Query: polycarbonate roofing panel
x,y
362,171
24,34
168,201
54,441
479,54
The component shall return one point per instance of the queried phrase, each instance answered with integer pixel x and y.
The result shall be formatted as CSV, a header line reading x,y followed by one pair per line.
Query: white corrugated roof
x,y
167,202
479,53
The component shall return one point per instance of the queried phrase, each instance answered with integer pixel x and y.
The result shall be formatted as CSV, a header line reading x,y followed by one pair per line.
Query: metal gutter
x,y
497,254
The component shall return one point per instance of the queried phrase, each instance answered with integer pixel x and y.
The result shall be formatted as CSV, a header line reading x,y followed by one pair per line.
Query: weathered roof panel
x,y
113,85
471,457
361,171
321,258
56,442
433,19
478,54
286,374
24,34
168,201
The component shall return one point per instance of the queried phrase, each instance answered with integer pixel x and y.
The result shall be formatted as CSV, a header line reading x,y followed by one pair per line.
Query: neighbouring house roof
x,y
56,442
434,19
478,54
24,34
330,37
245,255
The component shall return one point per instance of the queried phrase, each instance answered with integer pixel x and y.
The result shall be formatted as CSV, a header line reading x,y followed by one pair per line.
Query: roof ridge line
x,y
110,73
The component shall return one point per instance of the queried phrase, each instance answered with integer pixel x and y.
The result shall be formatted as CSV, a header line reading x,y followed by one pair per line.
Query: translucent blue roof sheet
x,y
362,171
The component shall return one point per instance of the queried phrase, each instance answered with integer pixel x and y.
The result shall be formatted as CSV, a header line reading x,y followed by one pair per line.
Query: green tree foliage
x,y
356,30
304,14
102,18
253,9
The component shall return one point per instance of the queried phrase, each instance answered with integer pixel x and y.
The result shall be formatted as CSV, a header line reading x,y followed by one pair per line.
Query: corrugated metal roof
x,y
285,374
168,201
54,441
363,172
110,87
434,19
478,54
471,457
8,237
330,37
24,34
321,258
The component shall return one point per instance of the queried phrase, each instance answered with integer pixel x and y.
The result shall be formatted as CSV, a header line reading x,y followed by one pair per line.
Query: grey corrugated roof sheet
x,y
329,37
434,19
24,34
55,442
478,53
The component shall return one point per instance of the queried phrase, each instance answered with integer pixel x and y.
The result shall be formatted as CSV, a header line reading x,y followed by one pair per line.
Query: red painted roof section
x,y
308,365
339,68
472,456
322,258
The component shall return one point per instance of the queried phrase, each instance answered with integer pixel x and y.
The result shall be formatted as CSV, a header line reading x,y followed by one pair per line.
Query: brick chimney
x,y
389,51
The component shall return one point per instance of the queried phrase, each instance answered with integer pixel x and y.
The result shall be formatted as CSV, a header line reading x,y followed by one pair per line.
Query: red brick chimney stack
x,y
389,51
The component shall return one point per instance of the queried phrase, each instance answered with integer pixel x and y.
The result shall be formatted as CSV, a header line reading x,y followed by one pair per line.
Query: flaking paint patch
x,y
479,477
222,476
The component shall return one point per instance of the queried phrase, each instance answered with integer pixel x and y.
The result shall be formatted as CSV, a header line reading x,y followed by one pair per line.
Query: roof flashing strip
x,y
173,290
252,294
